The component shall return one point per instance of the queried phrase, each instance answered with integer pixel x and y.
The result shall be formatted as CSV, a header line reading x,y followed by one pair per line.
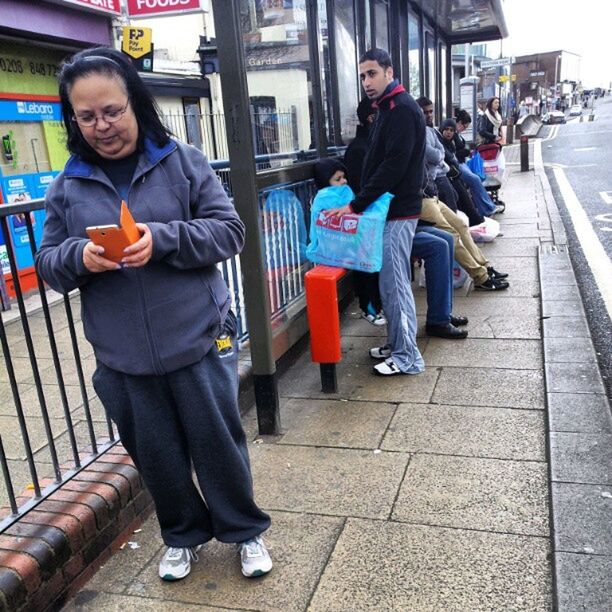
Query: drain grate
x,y
553,249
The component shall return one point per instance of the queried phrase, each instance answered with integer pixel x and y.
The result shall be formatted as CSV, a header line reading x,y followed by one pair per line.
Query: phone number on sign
x,y
9,64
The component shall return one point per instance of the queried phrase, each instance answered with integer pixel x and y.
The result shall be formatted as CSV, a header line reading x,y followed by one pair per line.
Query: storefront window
x,y
382,24
443,75
326,76
414,47
346,63
279,74
367,21
431,67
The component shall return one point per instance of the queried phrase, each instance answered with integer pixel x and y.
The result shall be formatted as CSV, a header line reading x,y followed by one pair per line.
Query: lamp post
x,y
556,72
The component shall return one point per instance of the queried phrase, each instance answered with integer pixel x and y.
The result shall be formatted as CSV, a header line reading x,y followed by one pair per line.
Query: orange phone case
x,y
115,239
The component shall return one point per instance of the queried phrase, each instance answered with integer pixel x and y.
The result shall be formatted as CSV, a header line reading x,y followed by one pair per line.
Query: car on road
x,y
554,116
575,110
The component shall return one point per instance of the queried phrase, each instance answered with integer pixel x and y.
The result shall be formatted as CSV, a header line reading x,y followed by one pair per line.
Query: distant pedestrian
x,y
490,123
395,164
160,322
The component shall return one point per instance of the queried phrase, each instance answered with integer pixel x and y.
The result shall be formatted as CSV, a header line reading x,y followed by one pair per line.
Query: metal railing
x,y
57,426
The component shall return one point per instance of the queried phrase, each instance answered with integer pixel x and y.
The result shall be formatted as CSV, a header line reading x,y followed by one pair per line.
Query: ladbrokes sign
x,y
151,8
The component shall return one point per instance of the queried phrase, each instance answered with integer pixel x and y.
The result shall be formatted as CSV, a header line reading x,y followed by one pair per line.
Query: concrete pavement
x,y
410,493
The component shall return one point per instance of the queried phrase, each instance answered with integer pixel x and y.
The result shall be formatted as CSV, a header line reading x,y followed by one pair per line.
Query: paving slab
x,y
518,266
562,292
569,350
566,327
479,353
475,493
89,600
339,482
573,378
581,457
562,308
13,441
519,230
412,567
511,247
300,545
584,582
582,516
500,327
496,387
510,306
584,412
356,349
335,423
468,431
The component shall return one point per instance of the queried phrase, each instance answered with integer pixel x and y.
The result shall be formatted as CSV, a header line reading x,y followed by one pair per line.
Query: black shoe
x,y
458,321
493,273
446,331
492,284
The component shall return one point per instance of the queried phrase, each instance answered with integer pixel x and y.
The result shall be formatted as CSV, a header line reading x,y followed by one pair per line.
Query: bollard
x,y
510,131
591,117
524,154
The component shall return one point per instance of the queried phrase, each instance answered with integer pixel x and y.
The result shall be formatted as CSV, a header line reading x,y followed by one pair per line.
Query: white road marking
x,y
580,149
606,229
553,133
597,258
605,196
606,218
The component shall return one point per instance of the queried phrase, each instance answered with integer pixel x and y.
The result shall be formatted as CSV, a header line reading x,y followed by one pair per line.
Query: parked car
x,y
554,116
575,110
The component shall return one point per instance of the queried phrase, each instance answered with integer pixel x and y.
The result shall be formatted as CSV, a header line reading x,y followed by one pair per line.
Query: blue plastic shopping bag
x,y
351,241
476,165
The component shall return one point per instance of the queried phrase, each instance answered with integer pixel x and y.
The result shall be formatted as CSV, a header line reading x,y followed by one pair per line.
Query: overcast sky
x,y
582,26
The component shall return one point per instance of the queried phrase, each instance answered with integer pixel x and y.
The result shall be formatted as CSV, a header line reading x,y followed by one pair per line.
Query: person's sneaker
x,y
176,562
499,208
254,557
380,352
493,273
387,368
492,284
377,319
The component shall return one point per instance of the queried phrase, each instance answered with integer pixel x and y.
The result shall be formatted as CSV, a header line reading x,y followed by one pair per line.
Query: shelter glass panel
x,y
326,73
382,24
414,48
279,78
431,65
346,65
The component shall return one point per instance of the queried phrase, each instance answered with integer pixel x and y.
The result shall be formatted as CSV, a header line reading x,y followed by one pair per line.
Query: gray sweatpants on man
x,y
396,294
189,416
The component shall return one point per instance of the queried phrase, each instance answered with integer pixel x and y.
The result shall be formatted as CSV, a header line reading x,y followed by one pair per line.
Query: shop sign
x,y
107,7
159,8
26,110
137,43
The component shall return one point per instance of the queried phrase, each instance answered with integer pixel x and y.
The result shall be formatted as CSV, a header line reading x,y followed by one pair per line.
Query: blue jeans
x,y
436,248
481,198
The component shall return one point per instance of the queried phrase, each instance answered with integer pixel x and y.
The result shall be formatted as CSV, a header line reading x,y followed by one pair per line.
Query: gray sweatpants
x,y
189,416
396,295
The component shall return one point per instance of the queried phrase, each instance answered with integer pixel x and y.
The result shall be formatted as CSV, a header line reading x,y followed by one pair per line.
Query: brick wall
x,y
55,548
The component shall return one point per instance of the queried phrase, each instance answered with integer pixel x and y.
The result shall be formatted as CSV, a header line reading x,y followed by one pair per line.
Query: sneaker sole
x,y
257,573
173,578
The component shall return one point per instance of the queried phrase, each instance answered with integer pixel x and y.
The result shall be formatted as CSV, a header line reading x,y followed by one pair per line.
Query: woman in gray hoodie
x,y
159,319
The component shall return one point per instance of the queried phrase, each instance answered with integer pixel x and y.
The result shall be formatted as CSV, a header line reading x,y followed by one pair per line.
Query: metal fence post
x,y
242,163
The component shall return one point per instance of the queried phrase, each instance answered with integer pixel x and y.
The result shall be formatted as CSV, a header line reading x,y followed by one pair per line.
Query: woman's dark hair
x,y
490,104
364,110
377,55
463,117
111,63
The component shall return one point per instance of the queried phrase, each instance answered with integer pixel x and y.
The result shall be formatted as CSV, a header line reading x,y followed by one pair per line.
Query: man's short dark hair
x,y
463,117
424,101
377,55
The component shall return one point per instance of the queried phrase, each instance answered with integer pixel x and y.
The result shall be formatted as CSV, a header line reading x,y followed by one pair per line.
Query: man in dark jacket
x,y
394,163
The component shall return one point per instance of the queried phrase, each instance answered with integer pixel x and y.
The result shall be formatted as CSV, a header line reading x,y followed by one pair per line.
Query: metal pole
x,y
246,199
468,47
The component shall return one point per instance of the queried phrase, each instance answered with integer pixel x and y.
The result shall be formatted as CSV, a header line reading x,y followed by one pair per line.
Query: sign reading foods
x,y
153,8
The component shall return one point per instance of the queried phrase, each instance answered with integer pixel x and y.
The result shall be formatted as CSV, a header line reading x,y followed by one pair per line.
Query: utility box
x,y
467,101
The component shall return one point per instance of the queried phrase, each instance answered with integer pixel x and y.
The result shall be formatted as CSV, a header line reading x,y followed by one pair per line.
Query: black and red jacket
x,y
396,155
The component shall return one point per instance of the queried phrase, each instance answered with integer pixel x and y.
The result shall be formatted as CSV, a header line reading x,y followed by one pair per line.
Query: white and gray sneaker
x,y
254,557
380,352
176,562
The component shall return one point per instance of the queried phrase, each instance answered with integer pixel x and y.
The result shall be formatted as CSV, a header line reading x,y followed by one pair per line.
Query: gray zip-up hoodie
x,y
165,315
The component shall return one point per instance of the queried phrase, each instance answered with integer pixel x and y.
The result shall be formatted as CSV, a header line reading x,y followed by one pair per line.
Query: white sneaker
x,y
387,368
254,557
380,352
378,319
176,562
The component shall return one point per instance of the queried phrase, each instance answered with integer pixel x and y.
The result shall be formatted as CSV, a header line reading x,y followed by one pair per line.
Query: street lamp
x,y
556,72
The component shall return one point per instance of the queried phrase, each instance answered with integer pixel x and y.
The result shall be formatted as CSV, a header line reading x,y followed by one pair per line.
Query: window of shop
x,y
278,67
381,20
346,66
414,48
367,24
443,76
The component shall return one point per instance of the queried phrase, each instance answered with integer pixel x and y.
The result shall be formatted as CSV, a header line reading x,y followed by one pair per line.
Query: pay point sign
x,y
138,44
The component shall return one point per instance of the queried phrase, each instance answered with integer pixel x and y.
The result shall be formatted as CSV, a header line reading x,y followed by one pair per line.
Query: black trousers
x,y
465,202
366,288
190,416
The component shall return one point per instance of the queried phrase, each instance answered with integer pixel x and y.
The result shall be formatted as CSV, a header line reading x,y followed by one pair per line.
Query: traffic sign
x,y
497,63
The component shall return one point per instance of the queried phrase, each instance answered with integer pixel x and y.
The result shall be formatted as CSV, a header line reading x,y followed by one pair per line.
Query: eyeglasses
x,y
110,116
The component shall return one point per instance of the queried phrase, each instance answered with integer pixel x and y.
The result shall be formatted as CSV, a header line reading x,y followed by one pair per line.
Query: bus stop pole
x,y
238,123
